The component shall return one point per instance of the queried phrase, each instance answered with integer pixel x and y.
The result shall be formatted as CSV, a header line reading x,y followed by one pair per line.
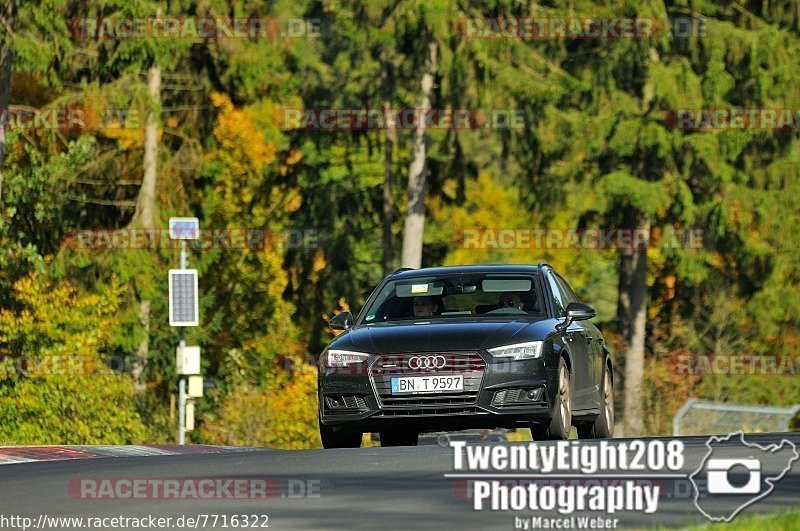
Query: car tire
x,y
399,438
561,423
339,438
603,425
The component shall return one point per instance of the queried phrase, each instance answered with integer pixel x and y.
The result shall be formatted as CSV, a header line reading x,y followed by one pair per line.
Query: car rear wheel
x,y
560,424
603,426
339,438
399,438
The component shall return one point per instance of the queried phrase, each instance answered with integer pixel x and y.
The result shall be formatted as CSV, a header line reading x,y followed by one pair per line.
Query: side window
x,y
559,298
571,297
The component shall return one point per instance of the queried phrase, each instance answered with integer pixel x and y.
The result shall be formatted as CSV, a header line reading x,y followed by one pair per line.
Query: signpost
x,y
183,312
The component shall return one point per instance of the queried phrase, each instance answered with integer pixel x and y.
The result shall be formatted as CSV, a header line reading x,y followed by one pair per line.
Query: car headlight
x,y
343,358
520,351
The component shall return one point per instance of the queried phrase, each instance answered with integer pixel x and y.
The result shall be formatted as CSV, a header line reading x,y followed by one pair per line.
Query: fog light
x,y
334,401
343,403
517,397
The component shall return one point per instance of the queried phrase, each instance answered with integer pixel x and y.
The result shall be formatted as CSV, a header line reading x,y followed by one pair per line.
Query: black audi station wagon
x,y
453,348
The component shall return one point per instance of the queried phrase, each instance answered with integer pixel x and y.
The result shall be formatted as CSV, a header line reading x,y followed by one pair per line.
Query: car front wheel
x,y
560,424
603,426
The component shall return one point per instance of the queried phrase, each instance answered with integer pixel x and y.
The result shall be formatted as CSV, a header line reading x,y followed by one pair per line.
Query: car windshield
x,y
488,295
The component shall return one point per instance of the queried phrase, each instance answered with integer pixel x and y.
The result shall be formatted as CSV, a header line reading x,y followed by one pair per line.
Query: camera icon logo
x,y
719,473
735,473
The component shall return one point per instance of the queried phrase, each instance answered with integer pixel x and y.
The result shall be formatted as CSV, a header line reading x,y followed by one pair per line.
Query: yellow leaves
x,y
70,409
128,138
240,139
126,124
294,201
669,282
58,330
294,157
248,172
241,419
317,266
319,261
665,392
285,417
292,412
221,101
489,205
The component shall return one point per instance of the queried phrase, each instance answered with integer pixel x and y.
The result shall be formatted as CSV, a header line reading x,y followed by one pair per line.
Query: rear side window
x,y
566,290
559,297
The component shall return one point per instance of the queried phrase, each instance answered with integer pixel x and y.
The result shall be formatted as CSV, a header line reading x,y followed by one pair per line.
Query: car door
x,y
575,339
594,352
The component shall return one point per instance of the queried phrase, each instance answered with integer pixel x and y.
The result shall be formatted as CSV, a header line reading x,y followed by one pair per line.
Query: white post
x,y
182,378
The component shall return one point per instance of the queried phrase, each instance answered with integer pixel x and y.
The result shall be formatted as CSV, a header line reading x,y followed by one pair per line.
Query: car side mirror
x,y
576,311
341,321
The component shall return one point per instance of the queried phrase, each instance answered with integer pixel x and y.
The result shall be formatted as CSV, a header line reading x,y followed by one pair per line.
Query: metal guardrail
x,y
728,418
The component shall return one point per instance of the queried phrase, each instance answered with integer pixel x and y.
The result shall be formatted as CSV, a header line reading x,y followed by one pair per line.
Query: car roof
x,y
466,269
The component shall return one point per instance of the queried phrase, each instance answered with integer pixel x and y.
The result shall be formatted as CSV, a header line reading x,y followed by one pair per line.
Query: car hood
x,y
450,335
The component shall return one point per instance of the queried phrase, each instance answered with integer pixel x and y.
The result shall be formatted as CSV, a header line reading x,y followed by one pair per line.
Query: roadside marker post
x,y
184,311
195,386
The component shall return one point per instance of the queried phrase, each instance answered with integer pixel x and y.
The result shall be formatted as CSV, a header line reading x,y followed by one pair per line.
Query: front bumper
x,y
498,393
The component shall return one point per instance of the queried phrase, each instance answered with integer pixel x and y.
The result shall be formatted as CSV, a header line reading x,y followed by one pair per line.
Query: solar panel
x,y
183,298
184,228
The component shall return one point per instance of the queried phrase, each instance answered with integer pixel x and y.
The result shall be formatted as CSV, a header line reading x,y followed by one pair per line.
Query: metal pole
x,y
181,410
181,378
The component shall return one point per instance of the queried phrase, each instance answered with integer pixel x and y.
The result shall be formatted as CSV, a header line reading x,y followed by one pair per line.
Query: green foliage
x,y
54,386
70,409
595,150
278,416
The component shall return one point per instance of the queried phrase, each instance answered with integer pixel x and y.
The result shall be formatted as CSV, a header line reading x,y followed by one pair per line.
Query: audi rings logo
x,y
426,362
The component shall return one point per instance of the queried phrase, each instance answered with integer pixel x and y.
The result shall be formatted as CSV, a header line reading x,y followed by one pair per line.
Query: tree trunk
x,y
624,294
387,217
415,213
634,361
636,297
143,350
145,214
626,266
9,15
146,203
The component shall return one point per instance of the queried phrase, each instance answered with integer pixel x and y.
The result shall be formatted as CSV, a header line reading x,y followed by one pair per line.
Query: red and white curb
x,y
10,455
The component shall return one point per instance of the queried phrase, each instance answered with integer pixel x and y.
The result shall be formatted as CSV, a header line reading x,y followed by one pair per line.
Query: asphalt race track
x,y
367,488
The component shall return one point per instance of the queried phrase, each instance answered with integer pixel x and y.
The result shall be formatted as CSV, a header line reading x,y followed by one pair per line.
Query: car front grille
x,y
469,364
416,412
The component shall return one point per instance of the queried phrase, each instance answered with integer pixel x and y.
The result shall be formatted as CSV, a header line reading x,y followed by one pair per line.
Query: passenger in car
x,y
425,306
510,299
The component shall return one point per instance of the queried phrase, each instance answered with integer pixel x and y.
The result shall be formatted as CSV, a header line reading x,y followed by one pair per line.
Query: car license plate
x,y
427,384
